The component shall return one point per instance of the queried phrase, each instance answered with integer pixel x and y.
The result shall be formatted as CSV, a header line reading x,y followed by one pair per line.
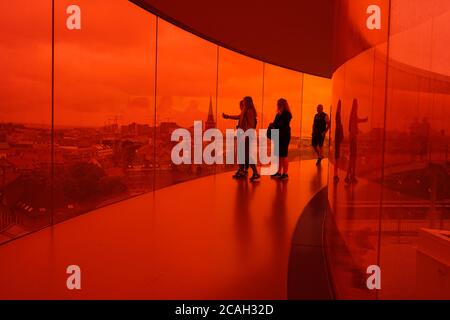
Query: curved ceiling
x,y
294,34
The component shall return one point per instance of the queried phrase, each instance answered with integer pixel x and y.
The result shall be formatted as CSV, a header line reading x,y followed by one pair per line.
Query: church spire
x,y
210,112
210,122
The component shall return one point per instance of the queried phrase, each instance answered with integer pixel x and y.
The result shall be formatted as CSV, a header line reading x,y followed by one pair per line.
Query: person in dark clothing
x,y
247,120
239,173
424,137
282,123
321,126
338,138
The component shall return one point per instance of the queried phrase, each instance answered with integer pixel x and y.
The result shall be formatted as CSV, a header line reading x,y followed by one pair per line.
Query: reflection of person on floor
x,y
320,127
242,217
278,223
338,138
238,173
247,120
282,123
353,140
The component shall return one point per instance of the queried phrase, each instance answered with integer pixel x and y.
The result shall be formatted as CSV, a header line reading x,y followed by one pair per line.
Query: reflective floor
x,y
211,238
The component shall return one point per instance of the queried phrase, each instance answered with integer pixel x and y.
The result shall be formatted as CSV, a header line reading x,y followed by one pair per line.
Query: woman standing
x,y
282,123
239,173
247,120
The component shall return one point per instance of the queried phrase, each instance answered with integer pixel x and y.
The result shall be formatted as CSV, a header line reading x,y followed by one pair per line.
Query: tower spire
x,y
210,112
210,122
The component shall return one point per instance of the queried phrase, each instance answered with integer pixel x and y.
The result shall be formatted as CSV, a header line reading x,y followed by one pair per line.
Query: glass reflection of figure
x,y
353,129
338,138
414,130
424,135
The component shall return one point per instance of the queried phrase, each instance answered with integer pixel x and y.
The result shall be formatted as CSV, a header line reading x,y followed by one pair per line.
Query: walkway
x,y
211,238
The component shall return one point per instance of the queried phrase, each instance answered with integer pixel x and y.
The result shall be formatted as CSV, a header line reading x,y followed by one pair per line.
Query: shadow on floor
x,y
307,274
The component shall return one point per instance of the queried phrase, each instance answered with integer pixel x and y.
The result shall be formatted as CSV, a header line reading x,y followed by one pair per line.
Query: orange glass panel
x,y
356,152
287,84
186,92
25,117
104,86
416,180
396,215
238,77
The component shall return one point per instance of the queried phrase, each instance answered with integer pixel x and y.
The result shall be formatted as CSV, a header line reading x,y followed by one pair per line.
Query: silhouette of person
x,y
414,136
239,173
320,127
353,129
247,120
282,123
424,135
338,138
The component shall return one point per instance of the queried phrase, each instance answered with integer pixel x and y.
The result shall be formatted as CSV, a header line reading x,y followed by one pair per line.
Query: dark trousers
x,y
247,164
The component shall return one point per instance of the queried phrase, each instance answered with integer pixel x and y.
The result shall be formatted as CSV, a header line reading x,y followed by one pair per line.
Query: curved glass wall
x,y
103,108
237,76
389,153
287,84
25,118
120,90
186,92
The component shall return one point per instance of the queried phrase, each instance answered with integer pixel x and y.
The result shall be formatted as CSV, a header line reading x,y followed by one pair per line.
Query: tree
x,y
82,181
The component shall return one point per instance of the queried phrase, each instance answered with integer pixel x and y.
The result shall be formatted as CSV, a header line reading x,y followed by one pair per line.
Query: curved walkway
x,y
211,238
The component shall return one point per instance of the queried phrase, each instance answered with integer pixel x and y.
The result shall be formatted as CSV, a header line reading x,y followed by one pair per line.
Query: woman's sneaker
x,y
283,177
255,177
237,174
240,174
276,175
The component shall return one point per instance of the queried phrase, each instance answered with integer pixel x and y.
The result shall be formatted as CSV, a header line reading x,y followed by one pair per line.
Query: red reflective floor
x,y
211,238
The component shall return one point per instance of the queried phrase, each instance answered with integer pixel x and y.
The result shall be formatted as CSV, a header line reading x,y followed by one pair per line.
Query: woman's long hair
x,y
283,105
248,105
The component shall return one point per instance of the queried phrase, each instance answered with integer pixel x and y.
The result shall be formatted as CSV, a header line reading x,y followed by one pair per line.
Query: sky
x,y
107,70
